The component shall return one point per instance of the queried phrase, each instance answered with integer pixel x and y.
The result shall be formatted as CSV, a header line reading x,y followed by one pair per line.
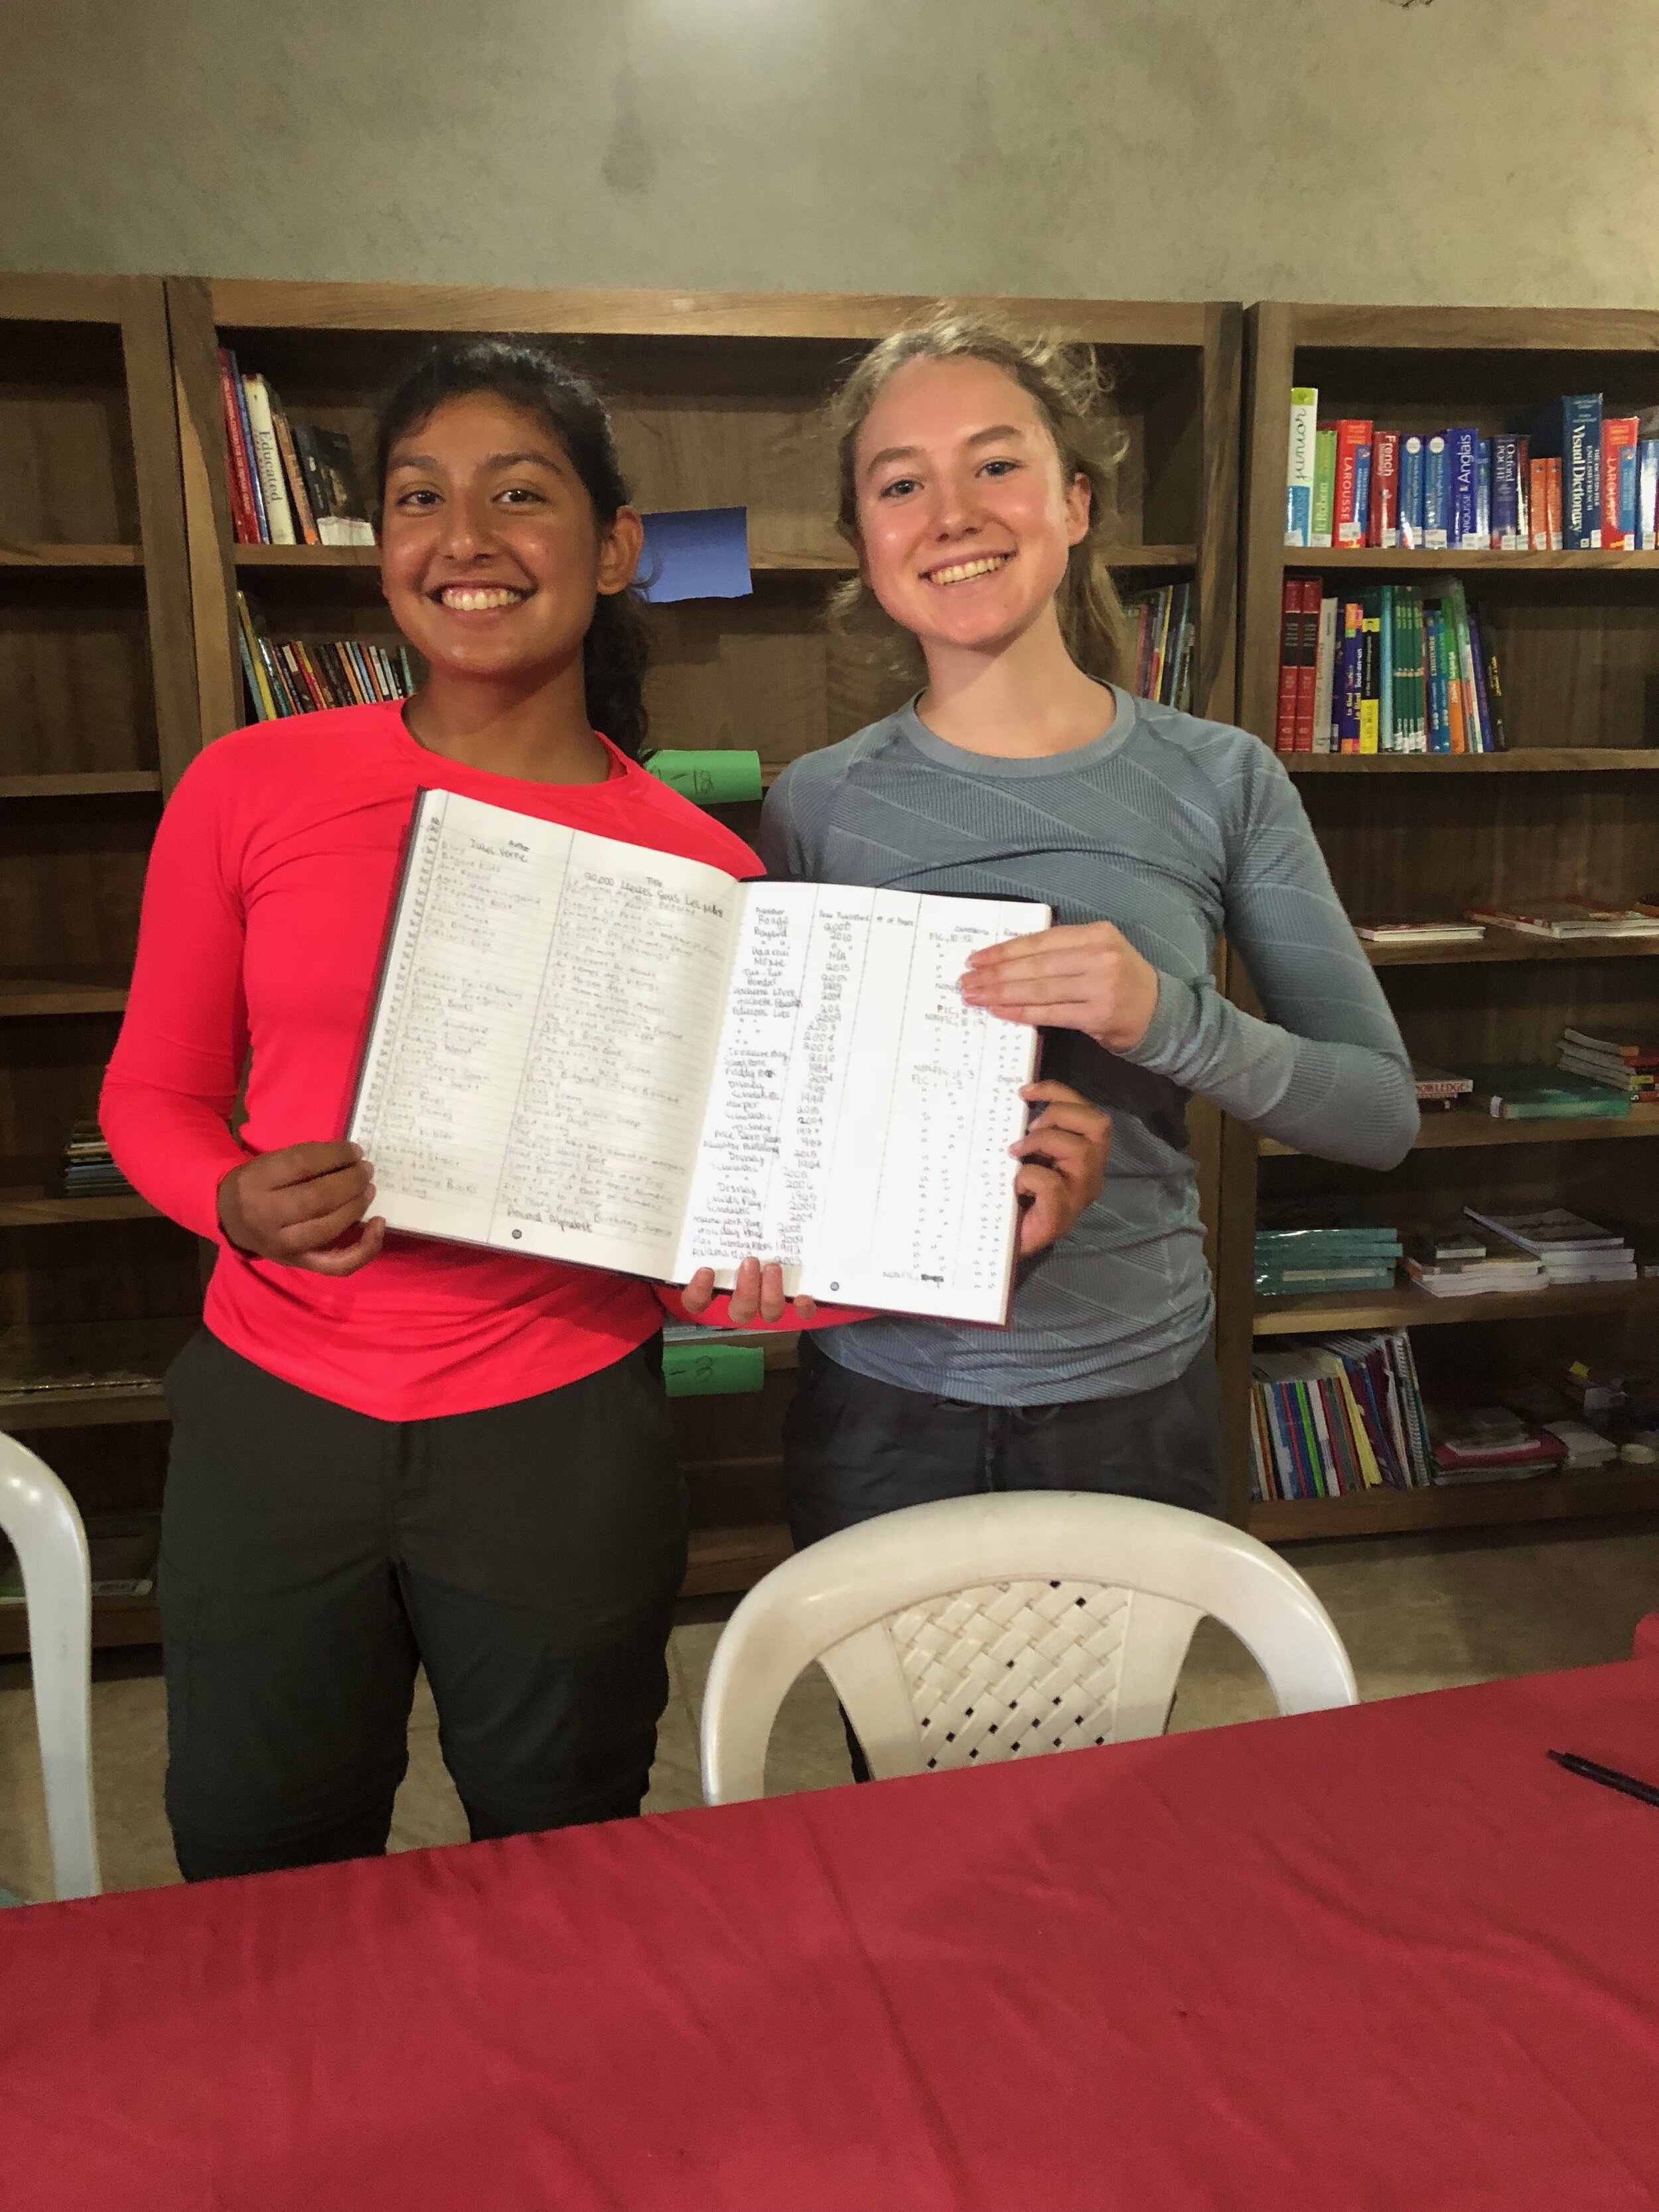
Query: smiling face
x,y
491,555
965,519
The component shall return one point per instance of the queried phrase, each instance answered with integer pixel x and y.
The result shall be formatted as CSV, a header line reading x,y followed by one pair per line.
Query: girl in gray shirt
x,y
970,487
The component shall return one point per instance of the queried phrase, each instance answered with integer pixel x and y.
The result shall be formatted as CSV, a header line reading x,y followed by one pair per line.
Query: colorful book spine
x,y
1462,448
1619,436
1370,671
1539,506
1439,731
297,498
1647,496
1308,665
1483,493
268,463
1290,656
1436,493
1478,666
1351,677
257,495
1475,738
1384,524
1324,491
244,516
1385,676
1324,733
1410,494
1507,535
1353,438
1299,478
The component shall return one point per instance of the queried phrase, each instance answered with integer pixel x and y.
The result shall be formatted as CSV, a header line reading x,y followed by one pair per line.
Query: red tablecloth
x,y
1387,1957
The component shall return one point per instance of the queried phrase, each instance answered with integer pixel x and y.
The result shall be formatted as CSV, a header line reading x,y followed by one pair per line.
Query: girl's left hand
x,y
757,1290
1089,978
1062,1159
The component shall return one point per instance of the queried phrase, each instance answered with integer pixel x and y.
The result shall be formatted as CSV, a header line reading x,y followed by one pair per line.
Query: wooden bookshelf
x,y
1576,636
99,676
717,400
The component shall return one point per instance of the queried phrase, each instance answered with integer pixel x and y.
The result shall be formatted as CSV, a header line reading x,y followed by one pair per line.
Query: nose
x,y
957,512
468,529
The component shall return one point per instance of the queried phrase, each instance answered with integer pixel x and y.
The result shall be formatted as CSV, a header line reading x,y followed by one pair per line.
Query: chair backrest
x,y
37,1514
999,1626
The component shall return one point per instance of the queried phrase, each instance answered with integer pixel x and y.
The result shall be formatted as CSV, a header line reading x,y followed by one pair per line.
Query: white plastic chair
x,y
37,1514
998,1627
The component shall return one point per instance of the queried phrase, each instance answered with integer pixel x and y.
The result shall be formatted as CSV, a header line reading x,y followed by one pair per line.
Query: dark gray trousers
x,y
528,1555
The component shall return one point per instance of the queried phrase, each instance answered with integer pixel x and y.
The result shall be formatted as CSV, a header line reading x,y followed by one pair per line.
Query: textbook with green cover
x,y
1530,1093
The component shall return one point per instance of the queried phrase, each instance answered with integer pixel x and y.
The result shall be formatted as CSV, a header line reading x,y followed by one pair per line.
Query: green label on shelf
x,y
711,779
711,1371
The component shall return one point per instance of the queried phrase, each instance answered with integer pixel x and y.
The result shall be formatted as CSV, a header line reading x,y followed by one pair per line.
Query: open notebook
x,y
597,1053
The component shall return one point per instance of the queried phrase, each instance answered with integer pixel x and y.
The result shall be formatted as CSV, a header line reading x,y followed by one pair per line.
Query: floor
x,y
1416,1614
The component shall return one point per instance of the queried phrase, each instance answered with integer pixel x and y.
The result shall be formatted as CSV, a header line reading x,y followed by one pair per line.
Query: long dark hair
x,y
615,650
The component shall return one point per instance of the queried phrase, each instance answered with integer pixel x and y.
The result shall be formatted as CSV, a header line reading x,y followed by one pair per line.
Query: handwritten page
x,y
861,1113
541,1055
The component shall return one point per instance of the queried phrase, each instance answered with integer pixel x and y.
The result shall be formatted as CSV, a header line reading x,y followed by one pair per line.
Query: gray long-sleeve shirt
x,y
1175,829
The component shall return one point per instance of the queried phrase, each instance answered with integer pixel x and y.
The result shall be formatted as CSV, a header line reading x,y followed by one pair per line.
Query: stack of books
x,y
1332,1415
291,484
1525,1092
1572,1250
297,678
1395,669
1164,645
1625,1067
1569,918
1419,933
1571,475
1439,1086
1490,1443
88,1170
1302,1262
1463,1263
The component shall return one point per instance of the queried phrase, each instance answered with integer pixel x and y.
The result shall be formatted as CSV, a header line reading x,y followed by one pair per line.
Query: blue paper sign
x,y
696,553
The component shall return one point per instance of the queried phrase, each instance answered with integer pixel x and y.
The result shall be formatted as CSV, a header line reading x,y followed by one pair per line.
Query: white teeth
x,y
964,571
473,599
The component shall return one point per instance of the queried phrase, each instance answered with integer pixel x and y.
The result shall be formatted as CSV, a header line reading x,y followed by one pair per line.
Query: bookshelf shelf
x,y
1462,1505
93,785
116,1621
1530,760
1409,1307
1468,1131
57,1212
49,556
1388,561
1507,947
46,995
826,561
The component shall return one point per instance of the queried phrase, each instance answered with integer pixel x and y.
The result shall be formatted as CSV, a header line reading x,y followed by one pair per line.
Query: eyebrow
x,y
490,461
912,452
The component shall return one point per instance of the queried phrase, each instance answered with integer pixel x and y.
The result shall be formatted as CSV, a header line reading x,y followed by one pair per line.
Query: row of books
x,y
1559,920
1591,1079
291,484
1482,1252
294,677
88,1169
1334,1415
1394,669
1572,478
1163,640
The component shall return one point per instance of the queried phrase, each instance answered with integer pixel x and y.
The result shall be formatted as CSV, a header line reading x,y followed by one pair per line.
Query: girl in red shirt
x,y
389,1451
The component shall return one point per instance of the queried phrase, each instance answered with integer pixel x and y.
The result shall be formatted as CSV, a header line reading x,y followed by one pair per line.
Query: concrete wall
x,y
1477,150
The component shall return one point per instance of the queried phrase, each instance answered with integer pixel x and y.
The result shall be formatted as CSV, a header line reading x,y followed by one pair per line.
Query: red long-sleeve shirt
x,y
263,913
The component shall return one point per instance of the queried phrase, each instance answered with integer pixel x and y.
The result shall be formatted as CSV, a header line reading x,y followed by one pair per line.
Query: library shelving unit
x,y
717,402
1571,807
100,717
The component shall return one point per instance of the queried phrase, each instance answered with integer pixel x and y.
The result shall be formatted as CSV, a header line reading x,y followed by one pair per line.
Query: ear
x,y
620,547
1079,509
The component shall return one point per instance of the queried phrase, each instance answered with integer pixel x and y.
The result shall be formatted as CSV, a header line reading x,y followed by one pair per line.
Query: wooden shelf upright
x,y
717,399
101,716
1573,806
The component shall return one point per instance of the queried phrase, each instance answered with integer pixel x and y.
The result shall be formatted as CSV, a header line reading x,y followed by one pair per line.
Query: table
x,y
1390,1957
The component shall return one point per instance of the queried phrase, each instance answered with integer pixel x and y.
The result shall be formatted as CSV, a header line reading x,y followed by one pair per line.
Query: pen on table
x,y
1609,1777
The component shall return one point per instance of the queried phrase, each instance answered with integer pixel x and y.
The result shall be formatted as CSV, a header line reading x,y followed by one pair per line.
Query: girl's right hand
x,y
294,1206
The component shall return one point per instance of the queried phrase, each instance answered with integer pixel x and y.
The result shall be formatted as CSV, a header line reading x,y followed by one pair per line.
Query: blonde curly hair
x,y
1066,383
